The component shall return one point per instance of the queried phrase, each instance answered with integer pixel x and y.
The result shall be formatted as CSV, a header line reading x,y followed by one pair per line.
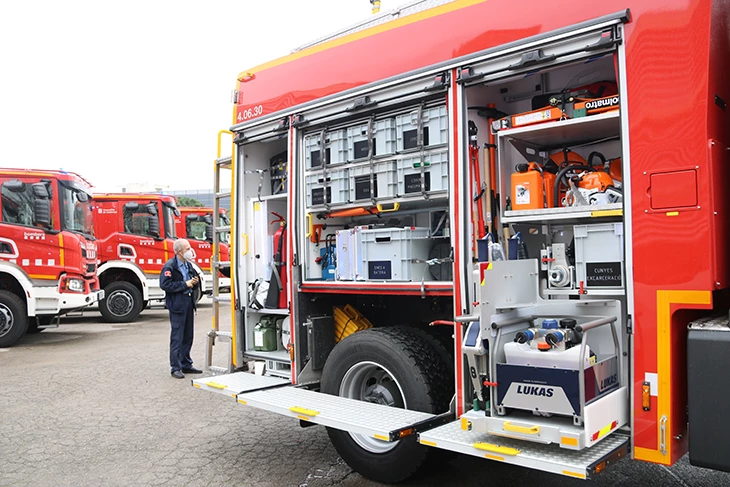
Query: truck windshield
x,y
76,211
169,212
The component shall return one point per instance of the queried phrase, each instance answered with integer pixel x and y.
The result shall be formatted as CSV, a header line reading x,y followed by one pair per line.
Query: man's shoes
x,y
178,374
192,370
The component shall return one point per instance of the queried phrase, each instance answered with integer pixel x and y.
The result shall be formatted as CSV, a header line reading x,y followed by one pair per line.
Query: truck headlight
x,y
75,285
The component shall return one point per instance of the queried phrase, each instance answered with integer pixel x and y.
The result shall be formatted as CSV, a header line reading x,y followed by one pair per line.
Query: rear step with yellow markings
x,y
581,464
271,394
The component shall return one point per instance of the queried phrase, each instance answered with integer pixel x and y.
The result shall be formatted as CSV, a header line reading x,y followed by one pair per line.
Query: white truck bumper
x,y
48,301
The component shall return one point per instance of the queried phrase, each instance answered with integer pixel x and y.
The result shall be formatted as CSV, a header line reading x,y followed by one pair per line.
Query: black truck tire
x,y
398,366
13,318
122,302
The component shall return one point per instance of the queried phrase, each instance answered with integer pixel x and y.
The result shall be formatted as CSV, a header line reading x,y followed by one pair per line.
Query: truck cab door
x,y
142,239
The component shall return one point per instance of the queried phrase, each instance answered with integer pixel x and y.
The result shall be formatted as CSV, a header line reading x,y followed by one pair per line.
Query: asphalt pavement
x,y
93,404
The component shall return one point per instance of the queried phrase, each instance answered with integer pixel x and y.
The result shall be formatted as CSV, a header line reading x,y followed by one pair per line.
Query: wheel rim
x,y
6,320
120,303
371,382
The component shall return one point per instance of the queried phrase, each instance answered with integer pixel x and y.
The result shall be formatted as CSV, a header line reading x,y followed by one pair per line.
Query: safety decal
x,y
168,273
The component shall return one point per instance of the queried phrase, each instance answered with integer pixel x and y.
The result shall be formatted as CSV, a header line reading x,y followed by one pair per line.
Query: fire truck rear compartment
x,y
373,230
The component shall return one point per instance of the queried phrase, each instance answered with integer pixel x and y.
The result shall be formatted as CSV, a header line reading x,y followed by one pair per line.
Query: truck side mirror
x,y
191,218
154,226
14,185
40,190
132,207
209,232
151,208
42,212
82,197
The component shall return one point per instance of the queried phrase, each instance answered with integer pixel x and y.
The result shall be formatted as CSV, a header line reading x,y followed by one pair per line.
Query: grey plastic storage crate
x,y
599,255
383,139
435,128
385,182
387,254
435,173
330,187
335,149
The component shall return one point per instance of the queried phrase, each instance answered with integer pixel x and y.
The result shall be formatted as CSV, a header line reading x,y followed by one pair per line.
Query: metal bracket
x,y
441,82
663,435
531,58
361,103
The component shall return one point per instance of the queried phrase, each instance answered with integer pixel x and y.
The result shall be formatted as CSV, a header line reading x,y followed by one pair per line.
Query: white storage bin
x,y
384,134
435,128
387,254
435,173
328,187
385,181
599,255
335,149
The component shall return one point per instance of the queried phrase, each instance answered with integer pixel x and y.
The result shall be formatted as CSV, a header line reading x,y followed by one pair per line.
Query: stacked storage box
x,y
335,149
434,125
330,187
434,166
384,135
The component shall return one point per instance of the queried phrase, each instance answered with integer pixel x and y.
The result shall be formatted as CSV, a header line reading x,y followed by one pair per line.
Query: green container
x,y
264,334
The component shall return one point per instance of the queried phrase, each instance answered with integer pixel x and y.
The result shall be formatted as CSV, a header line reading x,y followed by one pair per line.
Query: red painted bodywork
x,y
150,254
677,55
39,252
203,249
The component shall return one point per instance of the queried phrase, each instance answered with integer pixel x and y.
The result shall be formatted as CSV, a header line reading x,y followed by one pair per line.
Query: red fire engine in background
x,y
197,225
48,255
136,233
588,142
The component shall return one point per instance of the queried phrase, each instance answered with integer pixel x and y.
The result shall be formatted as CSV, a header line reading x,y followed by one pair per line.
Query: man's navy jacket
x,y
172,282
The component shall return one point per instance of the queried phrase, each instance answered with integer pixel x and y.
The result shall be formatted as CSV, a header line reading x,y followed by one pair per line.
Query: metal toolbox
x,y
435,128
385,181
329,187
599,255
335,147
435,169
384,139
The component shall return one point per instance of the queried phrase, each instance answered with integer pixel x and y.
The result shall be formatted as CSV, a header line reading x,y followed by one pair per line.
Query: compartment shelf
x,y
431,288
569,213
571,132
277,355
282,312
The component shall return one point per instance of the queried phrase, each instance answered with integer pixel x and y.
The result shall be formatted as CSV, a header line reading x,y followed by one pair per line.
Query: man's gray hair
x,y
178,245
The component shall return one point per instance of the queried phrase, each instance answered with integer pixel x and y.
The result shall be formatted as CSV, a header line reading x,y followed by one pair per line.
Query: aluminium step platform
x,y
238,382
279,396
582,464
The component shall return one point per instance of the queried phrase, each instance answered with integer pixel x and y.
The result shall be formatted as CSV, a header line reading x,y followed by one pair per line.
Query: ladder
x,y
221,164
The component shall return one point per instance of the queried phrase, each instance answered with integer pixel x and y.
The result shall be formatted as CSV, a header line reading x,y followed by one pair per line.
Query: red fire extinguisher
x,y
277,295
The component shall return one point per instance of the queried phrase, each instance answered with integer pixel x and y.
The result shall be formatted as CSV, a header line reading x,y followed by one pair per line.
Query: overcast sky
x,y
136,91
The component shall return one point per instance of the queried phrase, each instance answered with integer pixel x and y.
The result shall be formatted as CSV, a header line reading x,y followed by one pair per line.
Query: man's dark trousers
x,y
181,336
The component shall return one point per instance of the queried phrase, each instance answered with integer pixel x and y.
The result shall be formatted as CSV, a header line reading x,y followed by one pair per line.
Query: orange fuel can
x,y
532,188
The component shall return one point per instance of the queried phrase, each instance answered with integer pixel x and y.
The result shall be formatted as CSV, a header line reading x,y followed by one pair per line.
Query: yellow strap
x,y
504,450
525,430
305,411
215,385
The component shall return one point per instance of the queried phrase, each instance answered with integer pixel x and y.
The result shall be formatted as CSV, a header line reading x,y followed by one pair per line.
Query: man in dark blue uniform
x,y
178,279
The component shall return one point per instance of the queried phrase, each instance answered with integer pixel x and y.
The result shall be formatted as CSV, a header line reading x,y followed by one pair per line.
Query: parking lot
x,y
93,404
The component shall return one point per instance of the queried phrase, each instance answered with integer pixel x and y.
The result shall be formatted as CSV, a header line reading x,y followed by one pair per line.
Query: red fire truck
x,y
47,250
136,232
504,234
197,224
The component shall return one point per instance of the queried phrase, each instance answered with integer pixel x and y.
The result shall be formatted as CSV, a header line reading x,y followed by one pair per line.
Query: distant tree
x,y
186,201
